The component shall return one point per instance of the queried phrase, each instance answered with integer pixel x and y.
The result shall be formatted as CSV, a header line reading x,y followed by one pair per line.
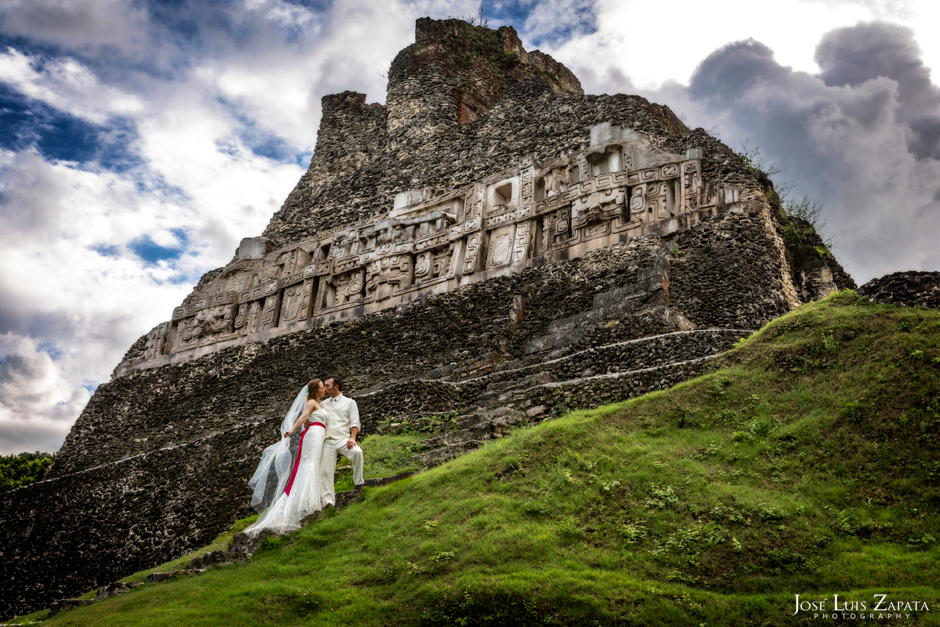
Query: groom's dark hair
x,y
336,381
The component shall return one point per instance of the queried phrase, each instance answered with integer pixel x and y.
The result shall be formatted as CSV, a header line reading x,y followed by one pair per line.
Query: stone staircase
x,y
462,414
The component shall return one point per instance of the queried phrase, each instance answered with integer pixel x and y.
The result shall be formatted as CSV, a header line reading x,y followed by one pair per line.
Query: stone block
x,y
67,604
161,577
115,588
254,248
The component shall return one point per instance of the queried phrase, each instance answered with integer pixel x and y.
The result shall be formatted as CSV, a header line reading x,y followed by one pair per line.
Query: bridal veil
x,y
276,464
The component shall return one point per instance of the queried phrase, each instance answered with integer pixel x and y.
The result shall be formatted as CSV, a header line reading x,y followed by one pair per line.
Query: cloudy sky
x,y
140,140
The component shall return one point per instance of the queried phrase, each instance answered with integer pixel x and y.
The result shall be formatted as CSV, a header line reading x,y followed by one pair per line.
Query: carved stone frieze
x,y
431,241
156,340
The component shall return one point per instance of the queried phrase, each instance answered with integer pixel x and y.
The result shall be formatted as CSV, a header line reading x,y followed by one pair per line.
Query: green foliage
x,y
475,20
801,218
717,387
482,609
808,211
23,469
754,161
484,43
633,532
387,455
854,412
829,343
570,529
661,497
921,543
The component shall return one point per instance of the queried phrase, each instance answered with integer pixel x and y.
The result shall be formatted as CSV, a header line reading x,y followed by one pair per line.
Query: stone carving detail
x,y
389,276
295,298
501,243
520,248
239,325
472,255
203,322
594,212
215,322
156,340
431,242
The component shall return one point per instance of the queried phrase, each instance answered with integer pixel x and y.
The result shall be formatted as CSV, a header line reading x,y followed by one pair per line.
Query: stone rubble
x,y
907,289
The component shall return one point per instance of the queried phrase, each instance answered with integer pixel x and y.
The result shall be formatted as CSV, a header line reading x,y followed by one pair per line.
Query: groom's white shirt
x,y
347,417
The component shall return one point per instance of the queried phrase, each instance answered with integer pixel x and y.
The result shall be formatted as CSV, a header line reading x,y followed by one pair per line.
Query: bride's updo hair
x,y
312,387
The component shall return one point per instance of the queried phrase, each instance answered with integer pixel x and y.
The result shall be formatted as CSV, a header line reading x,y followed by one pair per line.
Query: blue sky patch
x,y
579,21
26,123
50,349
151,252
107,250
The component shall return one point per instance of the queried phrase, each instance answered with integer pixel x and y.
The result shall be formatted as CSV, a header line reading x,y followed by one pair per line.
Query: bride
x,y
293,488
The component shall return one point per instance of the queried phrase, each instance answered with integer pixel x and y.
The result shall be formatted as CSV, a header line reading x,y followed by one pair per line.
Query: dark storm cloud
x,y
853,56
861,136
734,68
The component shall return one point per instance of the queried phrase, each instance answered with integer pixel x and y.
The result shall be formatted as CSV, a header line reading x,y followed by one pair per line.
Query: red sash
x,y
300,448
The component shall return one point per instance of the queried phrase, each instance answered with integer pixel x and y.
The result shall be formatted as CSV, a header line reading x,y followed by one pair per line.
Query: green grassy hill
x,y
806,464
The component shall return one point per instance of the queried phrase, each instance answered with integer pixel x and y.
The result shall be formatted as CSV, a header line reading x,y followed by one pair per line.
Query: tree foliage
x,y
23,469
796,212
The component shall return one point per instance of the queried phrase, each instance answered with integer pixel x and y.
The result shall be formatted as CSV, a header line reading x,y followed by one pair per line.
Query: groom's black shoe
x,y
358,487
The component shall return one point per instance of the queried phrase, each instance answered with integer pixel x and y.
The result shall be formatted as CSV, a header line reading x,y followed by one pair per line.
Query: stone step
x,y
173,574
471,431
541,401
446,453
431,403
67,604
647,352
212,558
115,588
583,392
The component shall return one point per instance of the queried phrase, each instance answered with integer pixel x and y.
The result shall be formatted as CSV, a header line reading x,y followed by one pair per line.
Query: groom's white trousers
x,y
328,467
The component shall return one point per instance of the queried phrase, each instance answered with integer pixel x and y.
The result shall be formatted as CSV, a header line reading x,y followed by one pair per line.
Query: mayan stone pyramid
x,y
489,247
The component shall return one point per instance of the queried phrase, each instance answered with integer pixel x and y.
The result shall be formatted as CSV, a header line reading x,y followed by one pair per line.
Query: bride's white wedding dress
x,y
301,494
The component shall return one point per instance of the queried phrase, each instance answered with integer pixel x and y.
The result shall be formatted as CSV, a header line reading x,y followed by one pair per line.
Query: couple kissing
x,y
289,486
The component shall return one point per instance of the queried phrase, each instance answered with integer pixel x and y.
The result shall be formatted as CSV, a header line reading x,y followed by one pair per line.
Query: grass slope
x,y
807,464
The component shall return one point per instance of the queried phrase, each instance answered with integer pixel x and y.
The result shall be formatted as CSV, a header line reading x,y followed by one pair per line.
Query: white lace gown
x,y
302,495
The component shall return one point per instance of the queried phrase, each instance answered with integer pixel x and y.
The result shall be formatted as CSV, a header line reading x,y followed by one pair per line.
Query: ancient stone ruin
x,y
489,247
619,188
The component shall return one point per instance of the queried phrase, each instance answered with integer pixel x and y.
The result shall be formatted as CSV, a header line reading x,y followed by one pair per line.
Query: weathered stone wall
x,y
724,277
907,289
64,536
583,172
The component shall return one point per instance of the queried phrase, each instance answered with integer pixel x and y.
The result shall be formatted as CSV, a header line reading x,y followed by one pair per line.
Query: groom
x,y
340,438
